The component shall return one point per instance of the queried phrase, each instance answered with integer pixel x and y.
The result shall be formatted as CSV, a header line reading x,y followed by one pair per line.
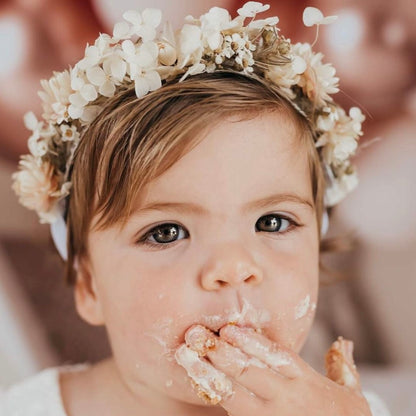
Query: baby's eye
x,y
167,234
275,223
163,235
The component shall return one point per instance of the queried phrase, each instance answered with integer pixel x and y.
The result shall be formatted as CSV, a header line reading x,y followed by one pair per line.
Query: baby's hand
x,y
248,374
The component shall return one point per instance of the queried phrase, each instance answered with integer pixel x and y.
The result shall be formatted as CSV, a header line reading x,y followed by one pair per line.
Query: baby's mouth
x,y
249,316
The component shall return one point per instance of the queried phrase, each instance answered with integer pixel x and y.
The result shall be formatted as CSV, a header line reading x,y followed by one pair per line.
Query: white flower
x,y
190,47
313,16
36,185
251,8
261,23
288,75
69,133
92,57
98,80
147,81
121,31
38,142
140,57
55,101
344,147
357,119
340,141
103,43
212,24
327,120
167,46
318,80
143,24
339,188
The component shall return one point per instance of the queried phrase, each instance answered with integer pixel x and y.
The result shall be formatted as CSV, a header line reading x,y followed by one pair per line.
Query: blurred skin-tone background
x,y
373,47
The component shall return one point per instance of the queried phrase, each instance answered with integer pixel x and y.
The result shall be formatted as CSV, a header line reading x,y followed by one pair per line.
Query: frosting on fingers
x,y
211,384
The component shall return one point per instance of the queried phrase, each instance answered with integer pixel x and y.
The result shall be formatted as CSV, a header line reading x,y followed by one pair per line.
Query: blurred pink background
x,y
373,47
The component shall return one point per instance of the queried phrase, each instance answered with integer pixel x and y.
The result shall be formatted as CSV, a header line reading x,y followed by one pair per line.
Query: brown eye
x,y
273,223
166,233
163,236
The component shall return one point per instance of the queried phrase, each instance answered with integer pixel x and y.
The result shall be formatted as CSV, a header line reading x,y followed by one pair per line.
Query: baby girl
x,y
186,177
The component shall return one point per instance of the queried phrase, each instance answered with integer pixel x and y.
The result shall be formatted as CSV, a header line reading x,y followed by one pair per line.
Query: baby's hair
x,y
135,140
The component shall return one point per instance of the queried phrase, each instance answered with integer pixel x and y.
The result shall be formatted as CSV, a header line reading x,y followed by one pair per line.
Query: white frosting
x,y
211,381
302,308
249,315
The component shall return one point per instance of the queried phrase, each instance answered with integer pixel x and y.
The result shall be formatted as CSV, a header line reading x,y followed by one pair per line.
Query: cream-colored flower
x,y
287,75
91,58
36,185
340,141
261,23
140,58
142,24
41,136
167,46
190,48
340,187
147,81
251,8
69,133
318,80
357,118
212,25
313,16
54,97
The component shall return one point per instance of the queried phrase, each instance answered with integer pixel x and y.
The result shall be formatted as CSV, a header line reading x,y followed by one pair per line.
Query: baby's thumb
x,y
339,364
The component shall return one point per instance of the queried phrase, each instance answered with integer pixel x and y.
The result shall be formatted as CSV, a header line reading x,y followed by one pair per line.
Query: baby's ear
x,y
87,301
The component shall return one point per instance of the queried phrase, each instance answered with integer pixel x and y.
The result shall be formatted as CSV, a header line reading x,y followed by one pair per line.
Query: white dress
x,y
40,395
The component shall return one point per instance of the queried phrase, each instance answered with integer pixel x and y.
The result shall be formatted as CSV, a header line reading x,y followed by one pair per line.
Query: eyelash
x,y
143,241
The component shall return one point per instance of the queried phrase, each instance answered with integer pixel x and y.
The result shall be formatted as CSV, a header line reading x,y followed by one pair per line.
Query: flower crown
x,y
136,54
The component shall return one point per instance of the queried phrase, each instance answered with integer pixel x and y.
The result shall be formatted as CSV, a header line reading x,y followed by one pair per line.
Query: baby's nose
x,y
230,266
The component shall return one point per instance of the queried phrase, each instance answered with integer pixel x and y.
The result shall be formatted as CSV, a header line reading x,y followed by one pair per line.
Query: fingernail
x,y
234,333
200,339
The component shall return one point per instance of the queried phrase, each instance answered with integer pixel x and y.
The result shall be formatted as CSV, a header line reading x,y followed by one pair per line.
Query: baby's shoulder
x,y
37,395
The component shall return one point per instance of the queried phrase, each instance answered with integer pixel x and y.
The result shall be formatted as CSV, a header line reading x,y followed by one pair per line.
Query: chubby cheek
x,y
147,311
292,297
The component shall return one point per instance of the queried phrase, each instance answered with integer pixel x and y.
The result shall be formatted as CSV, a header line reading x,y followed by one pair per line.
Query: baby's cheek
x,y
303,317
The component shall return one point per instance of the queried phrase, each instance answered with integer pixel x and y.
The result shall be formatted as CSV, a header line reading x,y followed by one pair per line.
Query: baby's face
x,y
220,257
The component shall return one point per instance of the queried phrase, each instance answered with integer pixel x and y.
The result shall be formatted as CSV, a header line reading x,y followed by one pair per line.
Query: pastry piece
x,y
339,364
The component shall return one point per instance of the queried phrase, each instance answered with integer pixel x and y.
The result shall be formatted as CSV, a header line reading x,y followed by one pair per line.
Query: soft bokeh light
x,y
12,43
347,31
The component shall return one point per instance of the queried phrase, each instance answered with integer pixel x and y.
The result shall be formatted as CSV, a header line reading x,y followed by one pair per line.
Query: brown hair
x,y
133,141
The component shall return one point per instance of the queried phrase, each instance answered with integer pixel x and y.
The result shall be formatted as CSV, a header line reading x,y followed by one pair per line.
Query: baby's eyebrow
x,y
195,209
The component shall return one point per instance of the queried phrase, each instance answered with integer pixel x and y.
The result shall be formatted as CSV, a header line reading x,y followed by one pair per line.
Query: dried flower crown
x,y
135,54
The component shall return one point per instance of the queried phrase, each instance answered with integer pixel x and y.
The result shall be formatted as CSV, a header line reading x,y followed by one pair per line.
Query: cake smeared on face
x,y
248,316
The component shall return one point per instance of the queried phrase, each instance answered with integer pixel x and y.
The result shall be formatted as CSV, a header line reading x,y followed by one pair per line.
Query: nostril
x,y
250,279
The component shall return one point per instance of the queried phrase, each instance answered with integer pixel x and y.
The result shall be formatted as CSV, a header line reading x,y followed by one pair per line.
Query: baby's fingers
x,y
256,345
248,372
211,384
340,366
